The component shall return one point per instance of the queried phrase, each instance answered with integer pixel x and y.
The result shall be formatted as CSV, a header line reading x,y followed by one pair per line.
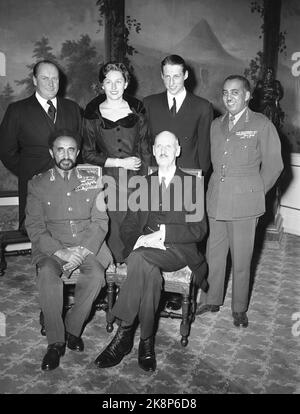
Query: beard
x,y
66,164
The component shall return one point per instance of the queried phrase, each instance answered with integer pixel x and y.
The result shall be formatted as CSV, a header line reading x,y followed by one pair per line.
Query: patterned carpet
x,y
219,359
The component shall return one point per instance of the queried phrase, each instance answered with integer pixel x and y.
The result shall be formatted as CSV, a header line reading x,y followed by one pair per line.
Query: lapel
x,y
164,101
39,114
60,112
240,125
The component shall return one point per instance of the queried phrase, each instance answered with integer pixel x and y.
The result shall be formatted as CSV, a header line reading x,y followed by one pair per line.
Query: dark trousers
x,y
50,288
141,291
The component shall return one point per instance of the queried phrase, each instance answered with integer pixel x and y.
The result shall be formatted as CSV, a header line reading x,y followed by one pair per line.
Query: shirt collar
x,y
179,98
168,176
237,116
43,101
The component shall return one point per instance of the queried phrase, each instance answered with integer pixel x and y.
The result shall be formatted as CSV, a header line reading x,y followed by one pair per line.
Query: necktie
x,y
231,122
66,175
163,184
51,110
173,108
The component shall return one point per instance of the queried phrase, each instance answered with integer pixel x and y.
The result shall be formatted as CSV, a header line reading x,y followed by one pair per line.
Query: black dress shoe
x,y
146,359
120,346
75,343
207,308
52,357
240,318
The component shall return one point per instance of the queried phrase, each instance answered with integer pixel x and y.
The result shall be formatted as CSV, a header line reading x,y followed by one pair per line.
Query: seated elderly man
x,y
67,231
161,237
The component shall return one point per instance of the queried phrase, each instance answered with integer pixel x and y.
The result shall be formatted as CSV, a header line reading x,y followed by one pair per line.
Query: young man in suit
x,y
67,230
186,115
160,238
246,158
27,124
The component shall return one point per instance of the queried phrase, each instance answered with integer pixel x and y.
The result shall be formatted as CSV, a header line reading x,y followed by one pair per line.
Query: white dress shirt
x,y
179,99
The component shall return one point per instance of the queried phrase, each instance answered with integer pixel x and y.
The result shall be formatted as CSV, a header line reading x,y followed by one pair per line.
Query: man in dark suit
x,y
246,158
186,115
67,228
161,238
26,127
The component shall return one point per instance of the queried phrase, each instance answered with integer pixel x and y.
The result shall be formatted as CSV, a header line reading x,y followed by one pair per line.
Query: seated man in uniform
x,y
67,230
162,237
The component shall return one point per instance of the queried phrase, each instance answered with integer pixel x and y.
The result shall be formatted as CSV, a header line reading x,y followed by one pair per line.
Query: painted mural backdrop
x,y
216,37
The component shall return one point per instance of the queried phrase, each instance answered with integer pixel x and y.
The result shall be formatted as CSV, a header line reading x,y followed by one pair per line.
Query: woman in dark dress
x,y
115,138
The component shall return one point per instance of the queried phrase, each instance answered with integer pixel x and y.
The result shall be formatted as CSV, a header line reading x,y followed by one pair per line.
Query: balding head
x,y
166,149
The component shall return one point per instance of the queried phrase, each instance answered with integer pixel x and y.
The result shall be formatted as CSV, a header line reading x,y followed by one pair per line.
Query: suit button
x,y
70,209
119,150
222,179
226,152
68,194
227,139
118,128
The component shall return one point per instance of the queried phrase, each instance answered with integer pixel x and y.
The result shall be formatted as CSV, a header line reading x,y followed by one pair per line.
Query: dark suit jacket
x,y
180,233
24,134
191,125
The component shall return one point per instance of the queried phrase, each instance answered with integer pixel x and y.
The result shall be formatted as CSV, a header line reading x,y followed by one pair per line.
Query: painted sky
x,y
228,19
22,23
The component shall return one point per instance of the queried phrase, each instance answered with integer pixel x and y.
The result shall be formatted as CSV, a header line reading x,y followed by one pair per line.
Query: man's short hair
x,y
246,83
64,133
173,60
118,66
44,61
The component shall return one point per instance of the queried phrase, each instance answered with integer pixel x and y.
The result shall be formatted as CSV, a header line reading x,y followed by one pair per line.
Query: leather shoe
x,y
52,356
75,343
115,351
146,359
207,308
240,318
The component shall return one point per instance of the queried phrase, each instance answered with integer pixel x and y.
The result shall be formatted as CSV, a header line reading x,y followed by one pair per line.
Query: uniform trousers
x,y
50,288
140,293
238,236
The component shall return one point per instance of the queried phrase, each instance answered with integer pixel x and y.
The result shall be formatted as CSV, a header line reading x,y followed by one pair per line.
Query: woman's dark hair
x,y
119,66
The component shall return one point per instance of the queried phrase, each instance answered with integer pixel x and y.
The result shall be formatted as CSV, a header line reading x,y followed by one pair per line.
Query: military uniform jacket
x,y
246,164
62,214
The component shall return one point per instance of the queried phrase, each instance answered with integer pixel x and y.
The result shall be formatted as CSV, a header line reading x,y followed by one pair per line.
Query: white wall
x,y
290,200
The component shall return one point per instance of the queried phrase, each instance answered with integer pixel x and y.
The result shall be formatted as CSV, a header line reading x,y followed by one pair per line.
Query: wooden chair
x,y
180,281
12,242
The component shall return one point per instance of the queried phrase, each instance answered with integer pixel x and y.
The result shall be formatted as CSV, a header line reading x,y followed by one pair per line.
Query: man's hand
x,y
74,256
151,240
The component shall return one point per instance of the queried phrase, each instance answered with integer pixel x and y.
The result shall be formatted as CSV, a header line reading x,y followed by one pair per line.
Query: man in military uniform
x,y
246,158
66,222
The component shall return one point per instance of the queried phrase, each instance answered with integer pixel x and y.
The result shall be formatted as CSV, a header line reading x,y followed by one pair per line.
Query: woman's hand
x,y
130,163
